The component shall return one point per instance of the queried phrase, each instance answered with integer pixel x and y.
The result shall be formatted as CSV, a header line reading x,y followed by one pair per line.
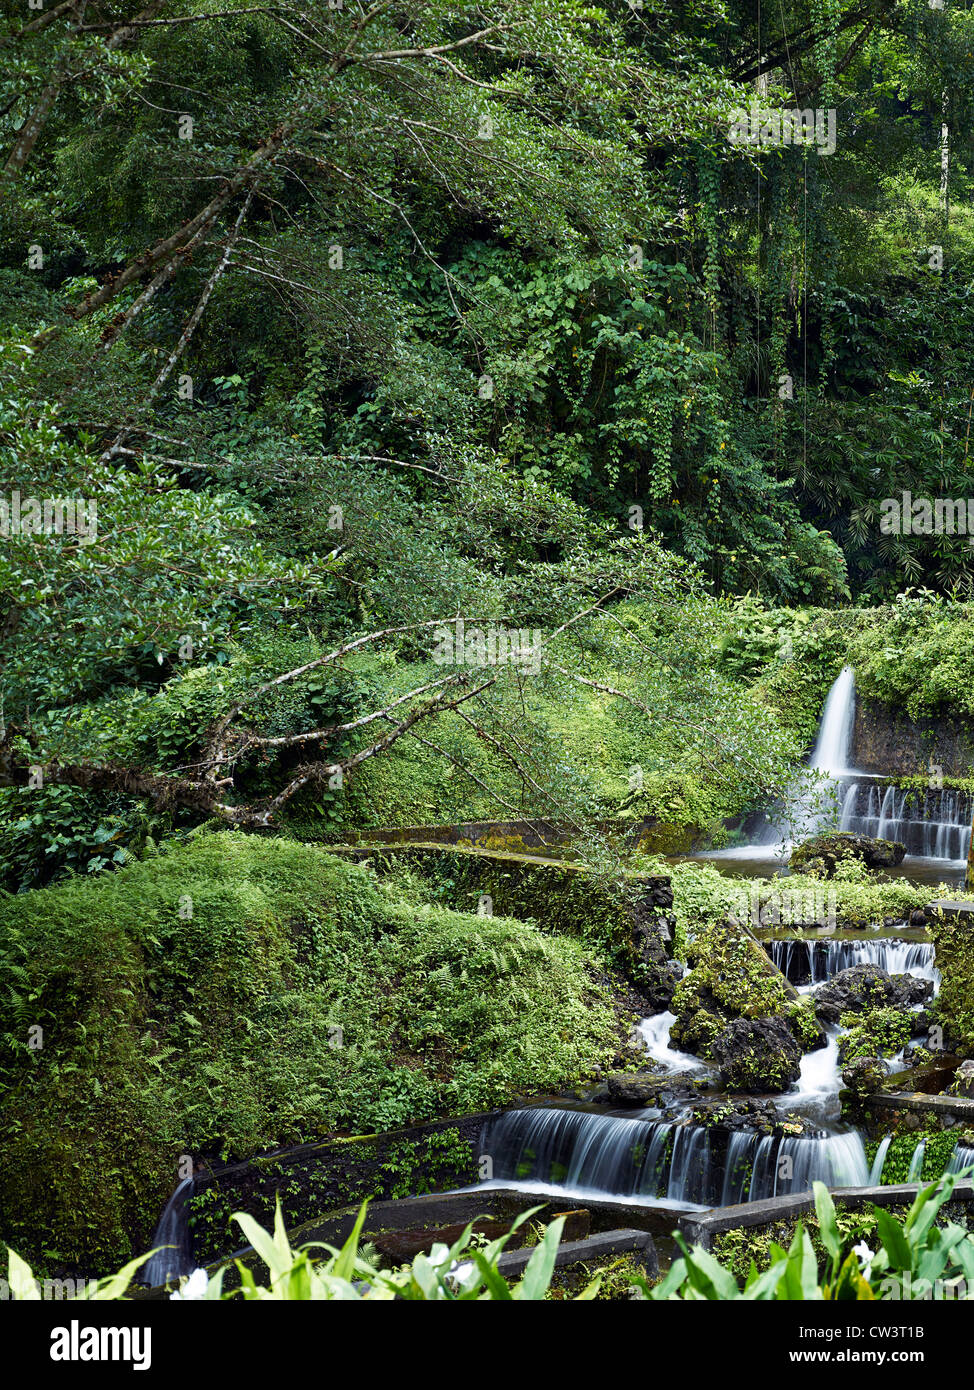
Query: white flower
x,y
193,1288
864,1255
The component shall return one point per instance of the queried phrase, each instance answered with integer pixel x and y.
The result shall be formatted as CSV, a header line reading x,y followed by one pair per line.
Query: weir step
x,y
953,907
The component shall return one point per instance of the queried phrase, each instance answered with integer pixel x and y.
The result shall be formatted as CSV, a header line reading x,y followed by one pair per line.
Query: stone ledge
x,y
621,1242
919,1101
701,1229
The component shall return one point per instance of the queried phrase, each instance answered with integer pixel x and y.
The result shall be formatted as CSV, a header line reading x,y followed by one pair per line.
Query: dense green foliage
x,y
426,414
955,1002
463,1271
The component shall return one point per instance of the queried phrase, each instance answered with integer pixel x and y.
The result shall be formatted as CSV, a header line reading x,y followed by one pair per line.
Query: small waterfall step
x,y
932,824
581,1154
805,962
175,1257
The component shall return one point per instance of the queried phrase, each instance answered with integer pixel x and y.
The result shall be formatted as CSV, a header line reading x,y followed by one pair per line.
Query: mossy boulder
x,y
733,978
757,1054
822,853
866,987
874,1033
954,1009
865,1075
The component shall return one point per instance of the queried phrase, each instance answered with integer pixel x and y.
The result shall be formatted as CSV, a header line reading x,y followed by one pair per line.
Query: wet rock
x,y
963,1082
865,1075
822,853
732,977
633,1088
658,975
736,1113
918,918
867,987
757,1054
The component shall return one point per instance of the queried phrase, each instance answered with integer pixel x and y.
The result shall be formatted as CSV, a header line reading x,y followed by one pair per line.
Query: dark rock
x,y
735,1114
634,1087
732,977
918,918
657,975
867,987
757,1054
822,853
963,1082
865,1075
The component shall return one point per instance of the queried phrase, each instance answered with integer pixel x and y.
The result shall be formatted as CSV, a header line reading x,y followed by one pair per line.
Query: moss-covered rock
x,y
874,1033
822,853
862,988
954,1007
732,978
757,1054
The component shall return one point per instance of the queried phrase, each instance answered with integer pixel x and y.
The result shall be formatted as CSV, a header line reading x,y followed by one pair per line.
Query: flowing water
x,y
655,1036
876,1171
934,825
175,1259
833,746
814,962
577,1153
916,1162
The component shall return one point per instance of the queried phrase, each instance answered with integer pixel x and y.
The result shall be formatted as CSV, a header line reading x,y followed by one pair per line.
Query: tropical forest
x,y
486,661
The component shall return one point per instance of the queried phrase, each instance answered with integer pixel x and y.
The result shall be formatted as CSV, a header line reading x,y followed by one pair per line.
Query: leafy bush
x,y
462,1272
914,1259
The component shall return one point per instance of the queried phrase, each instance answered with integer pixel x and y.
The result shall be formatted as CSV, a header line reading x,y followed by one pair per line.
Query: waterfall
x,y
961,1158
933,824
916,1162
653,1162
782,1166
832,749
172,1232
813,962
816,1092
876,1172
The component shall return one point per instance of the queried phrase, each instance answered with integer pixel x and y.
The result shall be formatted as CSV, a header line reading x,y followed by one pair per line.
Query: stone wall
x,y
889,741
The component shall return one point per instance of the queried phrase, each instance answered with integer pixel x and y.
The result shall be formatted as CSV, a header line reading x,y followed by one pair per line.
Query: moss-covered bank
x,y
240,994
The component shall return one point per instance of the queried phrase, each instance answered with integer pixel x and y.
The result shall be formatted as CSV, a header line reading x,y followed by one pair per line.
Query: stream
x,y
661,1160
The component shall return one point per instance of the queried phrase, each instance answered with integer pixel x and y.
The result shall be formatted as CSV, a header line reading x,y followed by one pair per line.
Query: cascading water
x,y
814,962
934,824
176,1258
656,1162
833,745
816,1092
654,1034
876,1171
916,1162
960,1159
